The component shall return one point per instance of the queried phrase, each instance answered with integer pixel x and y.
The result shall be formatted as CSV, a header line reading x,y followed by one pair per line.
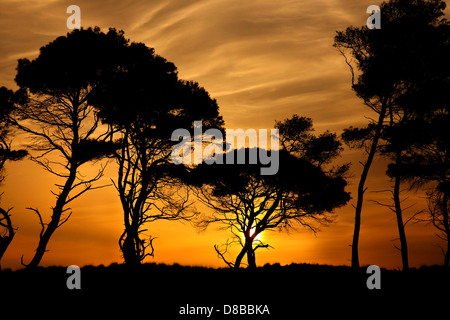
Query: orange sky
x,y
263,61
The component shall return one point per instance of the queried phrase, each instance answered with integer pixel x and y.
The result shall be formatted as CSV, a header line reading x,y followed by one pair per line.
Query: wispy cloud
x,y
262,59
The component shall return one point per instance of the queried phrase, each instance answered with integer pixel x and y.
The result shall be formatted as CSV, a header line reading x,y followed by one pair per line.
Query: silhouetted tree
x,y
438,215
145,102
427,164
7,99
388,64
302,192
57,115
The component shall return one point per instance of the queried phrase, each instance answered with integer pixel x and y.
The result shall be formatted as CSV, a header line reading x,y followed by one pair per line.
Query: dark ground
x,y
159,291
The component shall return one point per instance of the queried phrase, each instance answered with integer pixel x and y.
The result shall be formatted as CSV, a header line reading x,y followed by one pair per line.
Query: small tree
x,y
300,193
145,102
7,99
57,115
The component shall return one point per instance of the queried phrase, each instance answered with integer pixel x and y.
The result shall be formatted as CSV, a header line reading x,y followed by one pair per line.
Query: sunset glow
x,y
262,61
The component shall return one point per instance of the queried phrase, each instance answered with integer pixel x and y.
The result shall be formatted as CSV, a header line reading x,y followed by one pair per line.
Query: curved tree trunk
x,y
446,227
398,213
5,241
55,222
361,186
129,243
239,257
249,251
245,251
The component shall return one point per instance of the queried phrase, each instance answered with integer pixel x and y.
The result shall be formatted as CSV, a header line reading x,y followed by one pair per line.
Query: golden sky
x,y
263,60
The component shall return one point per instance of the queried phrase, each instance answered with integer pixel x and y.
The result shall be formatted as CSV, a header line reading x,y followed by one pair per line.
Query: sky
x,y
263,61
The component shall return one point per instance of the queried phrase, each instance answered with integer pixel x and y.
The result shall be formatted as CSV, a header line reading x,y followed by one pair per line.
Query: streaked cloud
x,y
263,60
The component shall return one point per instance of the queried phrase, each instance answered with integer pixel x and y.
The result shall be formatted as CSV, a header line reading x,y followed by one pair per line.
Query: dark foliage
x,y
144,101
53,108
400,72
7,106
302,192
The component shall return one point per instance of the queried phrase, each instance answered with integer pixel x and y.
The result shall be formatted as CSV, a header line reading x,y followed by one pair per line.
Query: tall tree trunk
x,y
129,246
4,243
446,227
251,258
246,249
361,186
399,216
6,240
239,257
133,201
129,241
55,220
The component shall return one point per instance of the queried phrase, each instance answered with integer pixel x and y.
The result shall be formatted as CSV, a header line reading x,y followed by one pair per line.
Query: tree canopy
x,y
398,72
55,111
302,192
144,101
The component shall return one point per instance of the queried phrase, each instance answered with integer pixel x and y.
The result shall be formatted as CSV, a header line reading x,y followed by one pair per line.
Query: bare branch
x,y
41,222
62,221
222,255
